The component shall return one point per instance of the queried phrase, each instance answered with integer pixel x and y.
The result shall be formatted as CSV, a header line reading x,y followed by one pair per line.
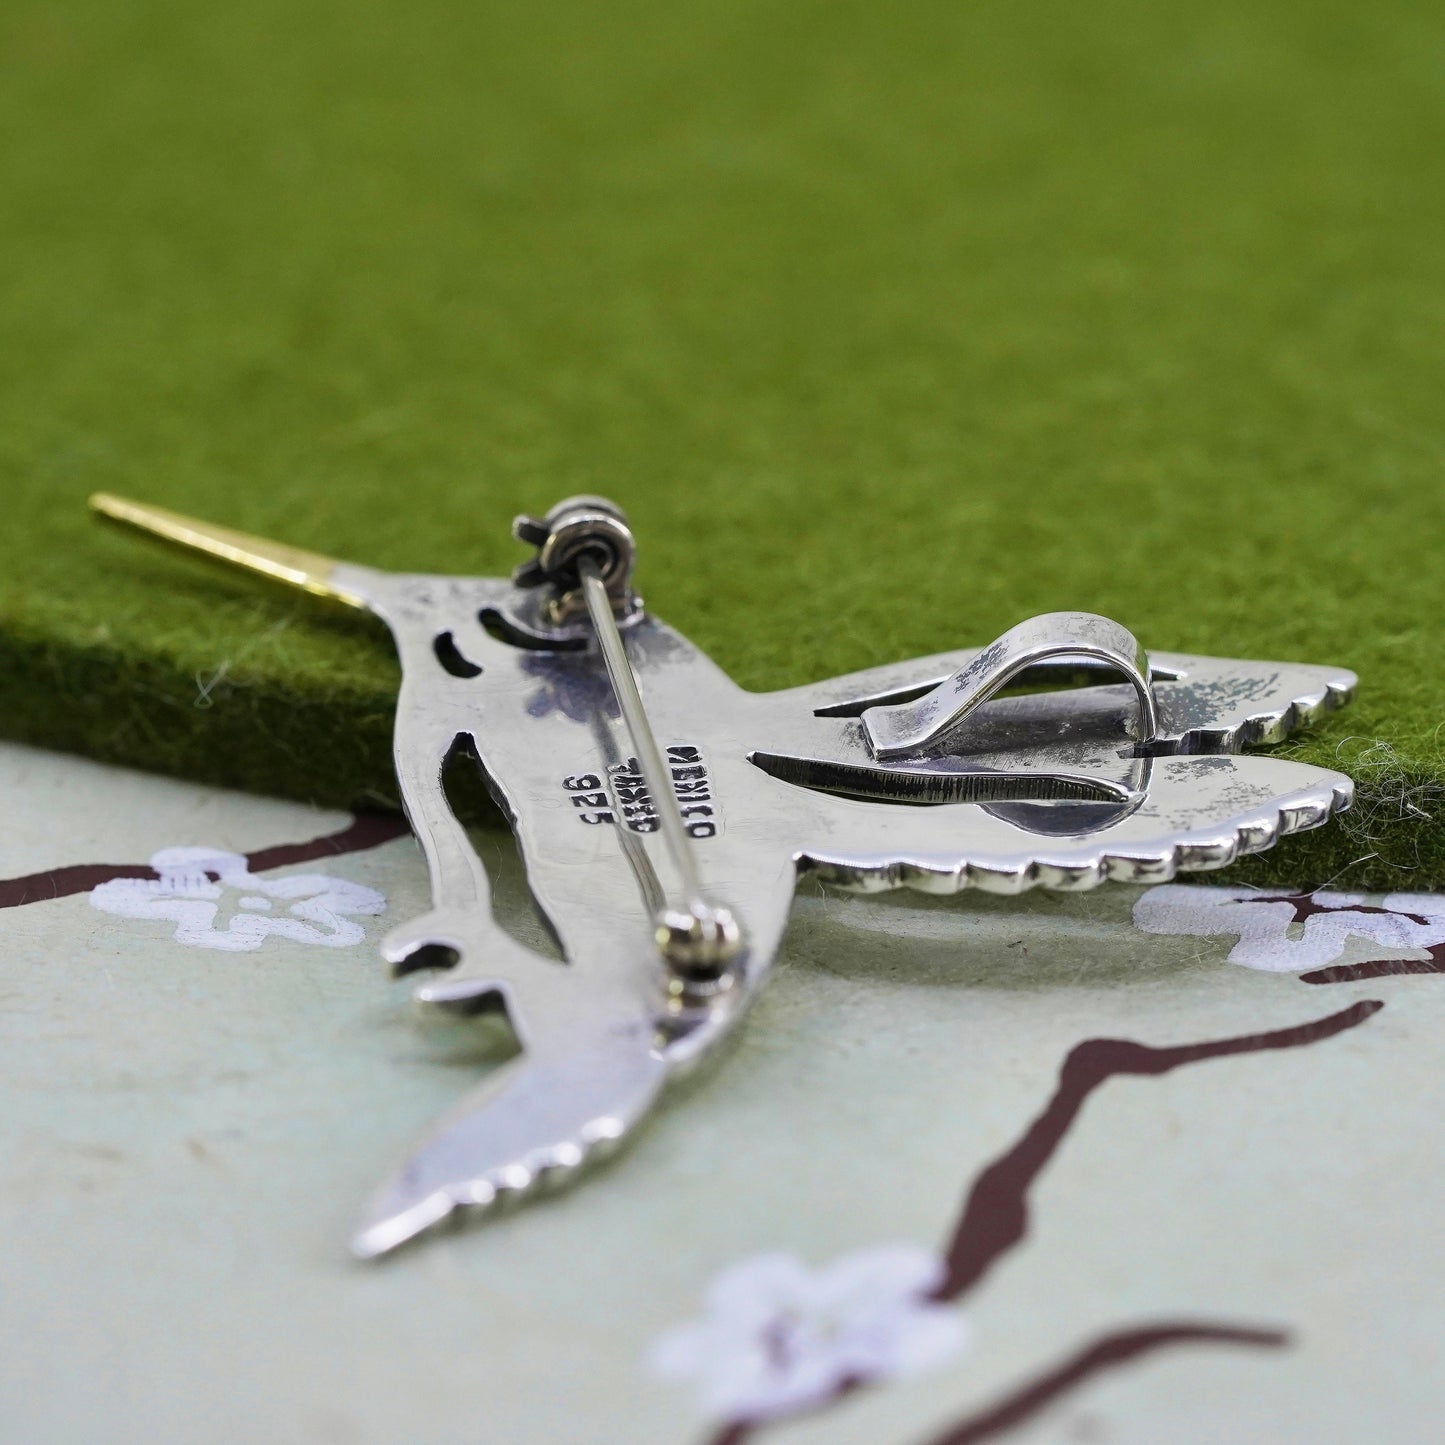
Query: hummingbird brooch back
x,y
665,815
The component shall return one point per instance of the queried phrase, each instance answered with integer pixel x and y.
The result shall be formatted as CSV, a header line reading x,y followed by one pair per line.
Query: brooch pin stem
x,y
696,937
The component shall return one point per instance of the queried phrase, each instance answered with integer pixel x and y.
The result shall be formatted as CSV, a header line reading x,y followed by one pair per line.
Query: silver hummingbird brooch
x,y
665,815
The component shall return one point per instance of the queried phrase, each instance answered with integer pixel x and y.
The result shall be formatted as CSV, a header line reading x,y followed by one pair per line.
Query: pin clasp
x,y
577,528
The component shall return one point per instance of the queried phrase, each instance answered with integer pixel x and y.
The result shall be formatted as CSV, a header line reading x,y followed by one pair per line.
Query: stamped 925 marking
x,y
625,792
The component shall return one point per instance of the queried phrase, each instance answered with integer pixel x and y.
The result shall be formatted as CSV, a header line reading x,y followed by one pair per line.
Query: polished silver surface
x,y
578,528
697,937
1046,789
918,774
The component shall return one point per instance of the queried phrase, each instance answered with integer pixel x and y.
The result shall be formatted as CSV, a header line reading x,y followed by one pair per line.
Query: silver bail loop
x,y
911,727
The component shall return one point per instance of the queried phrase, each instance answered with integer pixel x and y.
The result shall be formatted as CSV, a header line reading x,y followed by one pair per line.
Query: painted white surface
x,y
186,1136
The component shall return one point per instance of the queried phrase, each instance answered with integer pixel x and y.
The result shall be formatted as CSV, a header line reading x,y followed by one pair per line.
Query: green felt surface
x,y
888,325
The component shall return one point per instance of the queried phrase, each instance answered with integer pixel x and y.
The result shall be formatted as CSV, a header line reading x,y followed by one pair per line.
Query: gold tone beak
x,y
292,566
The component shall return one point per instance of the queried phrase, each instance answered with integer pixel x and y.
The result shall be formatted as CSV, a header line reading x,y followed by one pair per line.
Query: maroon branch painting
x,y
778,1341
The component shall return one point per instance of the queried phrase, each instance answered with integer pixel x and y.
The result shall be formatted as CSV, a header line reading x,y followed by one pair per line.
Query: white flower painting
x,y
778,1338
1275,937
197,886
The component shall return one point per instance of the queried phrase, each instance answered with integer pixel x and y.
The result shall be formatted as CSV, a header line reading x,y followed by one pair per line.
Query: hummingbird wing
x,y
1206,704
1190,813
